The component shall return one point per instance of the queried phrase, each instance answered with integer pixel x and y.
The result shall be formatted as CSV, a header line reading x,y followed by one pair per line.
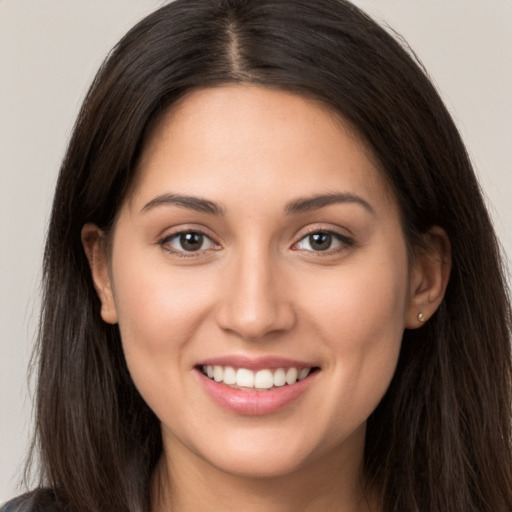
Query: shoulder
x,y
41,500
20,504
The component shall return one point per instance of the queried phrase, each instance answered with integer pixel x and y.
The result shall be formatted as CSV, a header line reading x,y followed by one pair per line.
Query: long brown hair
x,y
440,440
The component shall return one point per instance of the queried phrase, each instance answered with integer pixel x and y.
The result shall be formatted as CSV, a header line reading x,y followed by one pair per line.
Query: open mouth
x,y
261,380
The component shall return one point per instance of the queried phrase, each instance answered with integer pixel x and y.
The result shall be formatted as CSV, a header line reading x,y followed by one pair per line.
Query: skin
x,y
257,287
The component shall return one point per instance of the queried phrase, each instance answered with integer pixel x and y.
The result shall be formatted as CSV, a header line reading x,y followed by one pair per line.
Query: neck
x,y
184,483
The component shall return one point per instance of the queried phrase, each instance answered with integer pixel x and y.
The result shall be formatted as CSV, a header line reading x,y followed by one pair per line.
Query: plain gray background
x,y
49,52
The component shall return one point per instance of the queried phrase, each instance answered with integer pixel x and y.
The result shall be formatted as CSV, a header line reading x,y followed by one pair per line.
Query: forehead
x,y
266,141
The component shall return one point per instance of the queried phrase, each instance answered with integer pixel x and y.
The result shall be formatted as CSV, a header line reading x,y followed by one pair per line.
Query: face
x,y
259,275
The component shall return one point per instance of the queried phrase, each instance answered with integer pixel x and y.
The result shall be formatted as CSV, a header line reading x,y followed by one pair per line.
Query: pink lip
x,y
259,363
255,403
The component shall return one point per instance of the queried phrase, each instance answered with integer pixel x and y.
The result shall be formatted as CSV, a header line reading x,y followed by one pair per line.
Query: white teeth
x,y
279,377
229,375
262,379
303,373
218,373
291,376
245,378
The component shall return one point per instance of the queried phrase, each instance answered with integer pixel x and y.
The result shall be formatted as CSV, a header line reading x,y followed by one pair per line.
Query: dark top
x,y
42,500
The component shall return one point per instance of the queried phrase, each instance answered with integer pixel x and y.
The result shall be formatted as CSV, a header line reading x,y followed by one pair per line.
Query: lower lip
x,y
255,403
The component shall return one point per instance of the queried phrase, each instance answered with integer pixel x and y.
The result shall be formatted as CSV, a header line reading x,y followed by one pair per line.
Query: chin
x,y
260,464
276,453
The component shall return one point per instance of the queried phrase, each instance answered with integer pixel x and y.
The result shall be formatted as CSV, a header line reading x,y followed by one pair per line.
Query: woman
x,y
270,279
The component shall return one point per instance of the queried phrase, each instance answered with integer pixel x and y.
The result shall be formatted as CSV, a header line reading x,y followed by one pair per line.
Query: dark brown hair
x,y
440,440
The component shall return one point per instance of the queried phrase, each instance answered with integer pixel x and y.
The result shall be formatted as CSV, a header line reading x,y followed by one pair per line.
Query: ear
x,y
93,240
429,277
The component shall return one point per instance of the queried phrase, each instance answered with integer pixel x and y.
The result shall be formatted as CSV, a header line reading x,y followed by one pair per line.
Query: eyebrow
x,y
296,206
194,203
307,204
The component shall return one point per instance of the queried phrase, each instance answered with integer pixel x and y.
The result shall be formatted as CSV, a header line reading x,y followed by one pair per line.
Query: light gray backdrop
x,y
49,52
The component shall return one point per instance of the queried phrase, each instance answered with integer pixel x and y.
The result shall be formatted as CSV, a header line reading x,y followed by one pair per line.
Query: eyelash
x,y
344,243
182,253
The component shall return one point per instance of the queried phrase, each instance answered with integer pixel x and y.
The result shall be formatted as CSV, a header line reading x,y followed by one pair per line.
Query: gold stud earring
x,y
421,317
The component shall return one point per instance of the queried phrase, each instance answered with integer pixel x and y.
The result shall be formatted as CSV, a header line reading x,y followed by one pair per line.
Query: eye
x,y
187,242
322,241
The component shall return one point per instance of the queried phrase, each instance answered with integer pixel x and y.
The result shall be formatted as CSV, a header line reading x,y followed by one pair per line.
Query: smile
x,y
261,380
255,387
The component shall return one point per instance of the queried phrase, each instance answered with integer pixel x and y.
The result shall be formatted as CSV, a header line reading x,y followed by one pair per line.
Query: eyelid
x,y
344,241
164,242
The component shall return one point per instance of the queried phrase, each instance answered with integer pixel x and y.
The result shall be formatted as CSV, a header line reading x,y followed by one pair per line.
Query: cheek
x,y
359,319
159,312
361,302
156,304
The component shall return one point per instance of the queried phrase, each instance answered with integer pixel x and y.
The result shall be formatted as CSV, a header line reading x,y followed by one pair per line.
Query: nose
x,y
254,300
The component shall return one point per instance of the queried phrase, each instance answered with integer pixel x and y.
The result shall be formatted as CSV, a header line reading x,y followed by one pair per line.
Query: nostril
x,y
254,321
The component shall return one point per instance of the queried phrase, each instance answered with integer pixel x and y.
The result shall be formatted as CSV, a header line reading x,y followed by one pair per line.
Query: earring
x,y
421,317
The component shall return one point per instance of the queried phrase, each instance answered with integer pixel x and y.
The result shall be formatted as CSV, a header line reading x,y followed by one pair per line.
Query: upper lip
x,y
256,363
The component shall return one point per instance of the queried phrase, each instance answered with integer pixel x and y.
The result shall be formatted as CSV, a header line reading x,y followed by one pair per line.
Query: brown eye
x,y
187,241
322,241
191,241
